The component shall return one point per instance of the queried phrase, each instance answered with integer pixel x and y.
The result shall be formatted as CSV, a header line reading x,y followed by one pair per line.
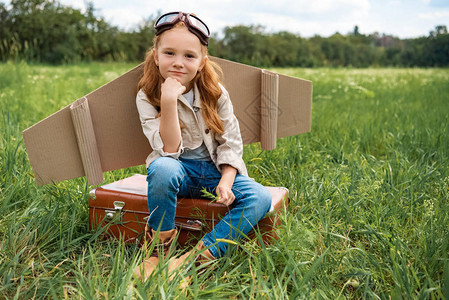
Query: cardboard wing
x,y
102,132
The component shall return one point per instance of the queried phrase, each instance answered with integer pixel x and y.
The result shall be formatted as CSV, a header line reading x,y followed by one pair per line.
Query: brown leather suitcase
x,y
121,207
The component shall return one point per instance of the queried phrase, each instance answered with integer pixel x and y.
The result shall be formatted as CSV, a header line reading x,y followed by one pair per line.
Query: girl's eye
x,y
169,53
190,56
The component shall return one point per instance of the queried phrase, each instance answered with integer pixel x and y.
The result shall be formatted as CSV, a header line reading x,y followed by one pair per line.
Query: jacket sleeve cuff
x,y
159,147
232,159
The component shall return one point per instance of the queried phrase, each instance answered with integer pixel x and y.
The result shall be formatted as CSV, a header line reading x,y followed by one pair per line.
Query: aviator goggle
x,y
193,23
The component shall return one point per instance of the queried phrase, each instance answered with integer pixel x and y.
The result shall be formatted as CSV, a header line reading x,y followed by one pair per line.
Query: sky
x,y
403,19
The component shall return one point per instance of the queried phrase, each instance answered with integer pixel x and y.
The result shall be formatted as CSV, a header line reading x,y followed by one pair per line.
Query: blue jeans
x,y
170,178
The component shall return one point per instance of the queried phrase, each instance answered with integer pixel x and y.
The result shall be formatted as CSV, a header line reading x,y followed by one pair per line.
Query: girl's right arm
x,y
150,118
169,128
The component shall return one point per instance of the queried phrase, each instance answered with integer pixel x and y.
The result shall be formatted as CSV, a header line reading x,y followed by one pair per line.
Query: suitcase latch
x,y
115,216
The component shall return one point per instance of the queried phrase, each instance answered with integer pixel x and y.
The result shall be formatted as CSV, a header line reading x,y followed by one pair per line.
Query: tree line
x,y
49,32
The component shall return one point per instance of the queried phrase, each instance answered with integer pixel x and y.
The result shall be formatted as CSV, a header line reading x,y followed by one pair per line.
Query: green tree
x,y
144,36
437,47
240,43
334,49
285,48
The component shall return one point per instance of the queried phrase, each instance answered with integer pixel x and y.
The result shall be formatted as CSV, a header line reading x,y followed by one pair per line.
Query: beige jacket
x,y
223,149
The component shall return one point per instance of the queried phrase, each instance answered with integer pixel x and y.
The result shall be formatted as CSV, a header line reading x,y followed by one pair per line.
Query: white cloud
x,y
304,17
127,18
434,15
307,6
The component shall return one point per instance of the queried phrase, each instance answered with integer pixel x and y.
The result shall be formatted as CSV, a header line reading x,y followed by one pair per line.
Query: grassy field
x,y
369,188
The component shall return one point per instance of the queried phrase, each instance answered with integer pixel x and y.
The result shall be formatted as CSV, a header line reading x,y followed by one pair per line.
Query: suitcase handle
x,y
192,225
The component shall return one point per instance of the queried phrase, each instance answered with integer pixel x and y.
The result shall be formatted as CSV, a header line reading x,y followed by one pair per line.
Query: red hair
x,y
207,81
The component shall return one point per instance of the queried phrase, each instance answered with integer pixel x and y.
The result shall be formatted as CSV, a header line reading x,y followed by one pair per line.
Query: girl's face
x,y
178,55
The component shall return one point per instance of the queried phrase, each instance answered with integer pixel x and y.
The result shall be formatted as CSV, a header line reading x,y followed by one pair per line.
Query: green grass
x,y
369,188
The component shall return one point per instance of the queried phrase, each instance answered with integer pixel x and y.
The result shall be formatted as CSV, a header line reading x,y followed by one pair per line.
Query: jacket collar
x,y
196,99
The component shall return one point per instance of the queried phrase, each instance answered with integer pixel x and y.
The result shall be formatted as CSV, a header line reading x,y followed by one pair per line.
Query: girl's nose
x,y
177,62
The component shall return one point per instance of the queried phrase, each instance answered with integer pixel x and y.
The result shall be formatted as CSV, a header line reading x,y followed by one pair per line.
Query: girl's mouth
x,y
176,73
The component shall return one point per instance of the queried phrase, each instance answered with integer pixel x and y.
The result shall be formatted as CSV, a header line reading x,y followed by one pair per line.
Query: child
x,y
188,118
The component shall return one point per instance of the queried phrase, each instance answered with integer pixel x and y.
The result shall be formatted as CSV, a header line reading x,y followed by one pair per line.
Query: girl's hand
x,y
225,194
224,187
171,89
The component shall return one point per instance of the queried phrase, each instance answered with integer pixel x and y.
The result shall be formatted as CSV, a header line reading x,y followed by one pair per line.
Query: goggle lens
x,y
168,18
199,24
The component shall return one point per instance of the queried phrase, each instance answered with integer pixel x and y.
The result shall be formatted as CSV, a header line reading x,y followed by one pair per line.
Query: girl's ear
x,y
203,63
156,59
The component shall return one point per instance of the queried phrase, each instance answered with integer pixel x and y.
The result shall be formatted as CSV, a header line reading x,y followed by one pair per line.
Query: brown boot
x,y
199,254
204,255
162,245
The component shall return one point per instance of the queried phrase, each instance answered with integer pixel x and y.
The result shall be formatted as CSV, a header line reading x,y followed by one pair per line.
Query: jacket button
x,y
206,131
195,109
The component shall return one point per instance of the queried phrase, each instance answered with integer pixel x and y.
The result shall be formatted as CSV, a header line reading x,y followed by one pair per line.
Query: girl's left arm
x,y
229,150
230,145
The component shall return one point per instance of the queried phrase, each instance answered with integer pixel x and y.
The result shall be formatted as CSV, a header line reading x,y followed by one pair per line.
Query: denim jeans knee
x,y
262,199
164,178
252,202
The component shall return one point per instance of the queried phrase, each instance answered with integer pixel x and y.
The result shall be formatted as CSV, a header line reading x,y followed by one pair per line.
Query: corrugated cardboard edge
x,y
87,143
269,109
